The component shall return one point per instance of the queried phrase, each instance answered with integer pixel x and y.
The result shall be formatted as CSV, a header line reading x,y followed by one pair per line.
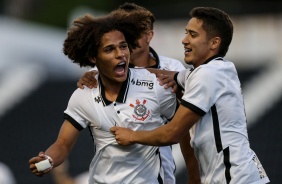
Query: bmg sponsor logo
x,y
145,83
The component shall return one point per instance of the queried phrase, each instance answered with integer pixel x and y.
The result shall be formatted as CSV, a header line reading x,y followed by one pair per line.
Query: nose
x,y
119,53
185,40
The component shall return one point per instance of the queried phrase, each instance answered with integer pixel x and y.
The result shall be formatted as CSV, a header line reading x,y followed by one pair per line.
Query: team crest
x,y
141,112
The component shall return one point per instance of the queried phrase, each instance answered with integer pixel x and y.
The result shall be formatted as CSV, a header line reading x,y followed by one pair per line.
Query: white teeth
x,y
122,63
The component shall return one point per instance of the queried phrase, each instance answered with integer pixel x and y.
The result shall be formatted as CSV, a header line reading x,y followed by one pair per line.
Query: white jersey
x,y
220,138
140,105
168,164
170,64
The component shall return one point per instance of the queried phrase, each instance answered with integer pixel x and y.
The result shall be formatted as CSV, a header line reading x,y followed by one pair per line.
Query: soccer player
x,y
212,107
124,97
146,57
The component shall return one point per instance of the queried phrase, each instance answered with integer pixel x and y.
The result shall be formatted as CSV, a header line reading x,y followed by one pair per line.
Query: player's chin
x,y
188,61
120,78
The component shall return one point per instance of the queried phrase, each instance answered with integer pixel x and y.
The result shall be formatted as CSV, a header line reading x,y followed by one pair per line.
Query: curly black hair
x,y
84,37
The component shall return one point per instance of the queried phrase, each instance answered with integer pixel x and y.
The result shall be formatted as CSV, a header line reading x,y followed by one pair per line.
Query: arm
x,y
192,165
167,78
163,72
168,134
59,150
88,79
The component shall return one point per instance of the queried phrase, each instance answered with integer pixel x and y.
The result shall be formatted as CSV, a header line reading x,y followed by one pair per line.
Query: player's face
x,y
144,42
197,46
112,58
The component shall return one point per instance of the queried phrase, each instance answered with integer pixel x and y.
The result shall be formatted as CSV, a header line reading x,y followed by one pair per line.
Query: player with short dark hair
x,y
212,107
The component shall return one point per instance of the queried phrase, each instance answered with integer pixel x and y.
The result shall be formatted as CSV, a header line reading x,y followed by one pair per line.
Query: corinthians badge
x,y
140,110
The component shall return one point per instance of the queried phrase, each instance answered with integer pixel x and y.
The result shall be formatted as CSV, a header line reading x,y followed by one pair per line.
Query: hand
x,y
122,135
34,160
168,81
88,79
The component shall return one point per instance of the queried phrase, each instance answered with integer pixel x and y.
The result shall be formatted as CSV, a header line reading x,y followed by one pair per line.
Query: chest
x,y
140,110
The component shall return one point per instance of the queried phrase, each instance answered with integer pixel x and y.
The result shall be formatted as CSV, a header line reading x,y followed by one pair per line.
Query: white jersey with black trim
x,y
170,64
168,164
220,138
140,105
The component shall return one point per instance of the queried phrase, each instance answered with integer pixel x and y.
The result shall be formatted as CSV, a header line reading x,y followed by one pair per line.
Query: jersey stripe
x,y
226,158
160,179
226,154
216,129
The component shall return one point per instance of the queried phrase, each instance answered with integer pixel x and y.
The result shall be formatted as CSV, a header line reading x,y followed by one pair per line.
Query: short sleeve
x,y
76,112
202,88
167,101
182,76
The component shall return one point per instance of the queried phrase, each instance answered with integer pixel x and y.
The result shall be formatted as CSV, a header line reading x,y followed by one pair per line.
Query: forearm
x,y
58,152
191,162
161,136
164,72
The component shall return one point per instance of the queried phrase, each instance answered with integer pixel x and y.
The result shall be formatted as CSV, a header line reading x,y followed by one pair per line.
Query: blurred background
x,y
36,79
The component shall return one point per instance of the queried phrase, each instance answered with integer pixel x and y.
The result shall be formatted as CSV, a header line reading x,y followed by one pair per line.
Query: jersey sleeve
x,y
76,110
182,76
177,66
167,101
170,64
202,88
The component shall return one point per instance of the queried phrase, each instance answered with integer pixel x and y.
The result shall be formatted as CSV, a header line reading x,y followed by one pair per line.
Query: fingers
x,y
80,85
33,168
34,160
164,79
113,130
88,79
122,135
167,82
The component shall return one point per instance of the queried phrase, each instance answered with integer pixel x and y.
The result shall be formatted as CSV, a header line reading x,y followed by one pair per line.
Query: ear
x,y
150,35
215,43
92,60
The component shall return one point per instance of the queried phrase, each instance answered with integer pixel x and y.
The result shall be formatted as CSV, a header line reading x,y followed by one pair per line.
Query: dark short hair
x,y
132,8
84,37
216,23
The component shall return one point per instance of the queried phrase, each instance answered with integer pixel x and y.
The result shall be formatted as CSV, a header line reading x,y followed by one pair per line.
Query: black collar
x,y
155,55
220,57
122,93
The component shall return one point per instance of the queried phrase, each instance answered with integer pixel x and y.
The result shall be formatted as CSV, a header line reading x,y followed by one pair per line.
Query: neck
x,y
143,60
112,89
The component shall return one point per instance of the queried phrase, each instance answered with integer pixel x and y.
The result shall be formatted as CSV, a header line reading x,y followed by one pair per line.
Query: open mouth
x,y
187,50
120,68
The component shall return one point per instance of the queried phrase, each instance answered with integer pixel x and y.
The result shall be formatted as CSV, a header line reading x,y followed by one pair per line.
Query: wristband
x,y
44,164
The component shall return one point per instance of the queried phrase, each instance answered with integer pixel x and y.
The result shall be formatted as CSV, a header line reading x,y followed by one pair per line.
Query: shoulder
x,y
210,69
81,96
167,63
79,92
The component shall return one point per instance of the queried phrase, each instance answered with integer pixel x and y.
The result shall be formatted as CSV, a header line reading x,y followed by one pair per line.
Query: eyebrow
x,y
113,45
